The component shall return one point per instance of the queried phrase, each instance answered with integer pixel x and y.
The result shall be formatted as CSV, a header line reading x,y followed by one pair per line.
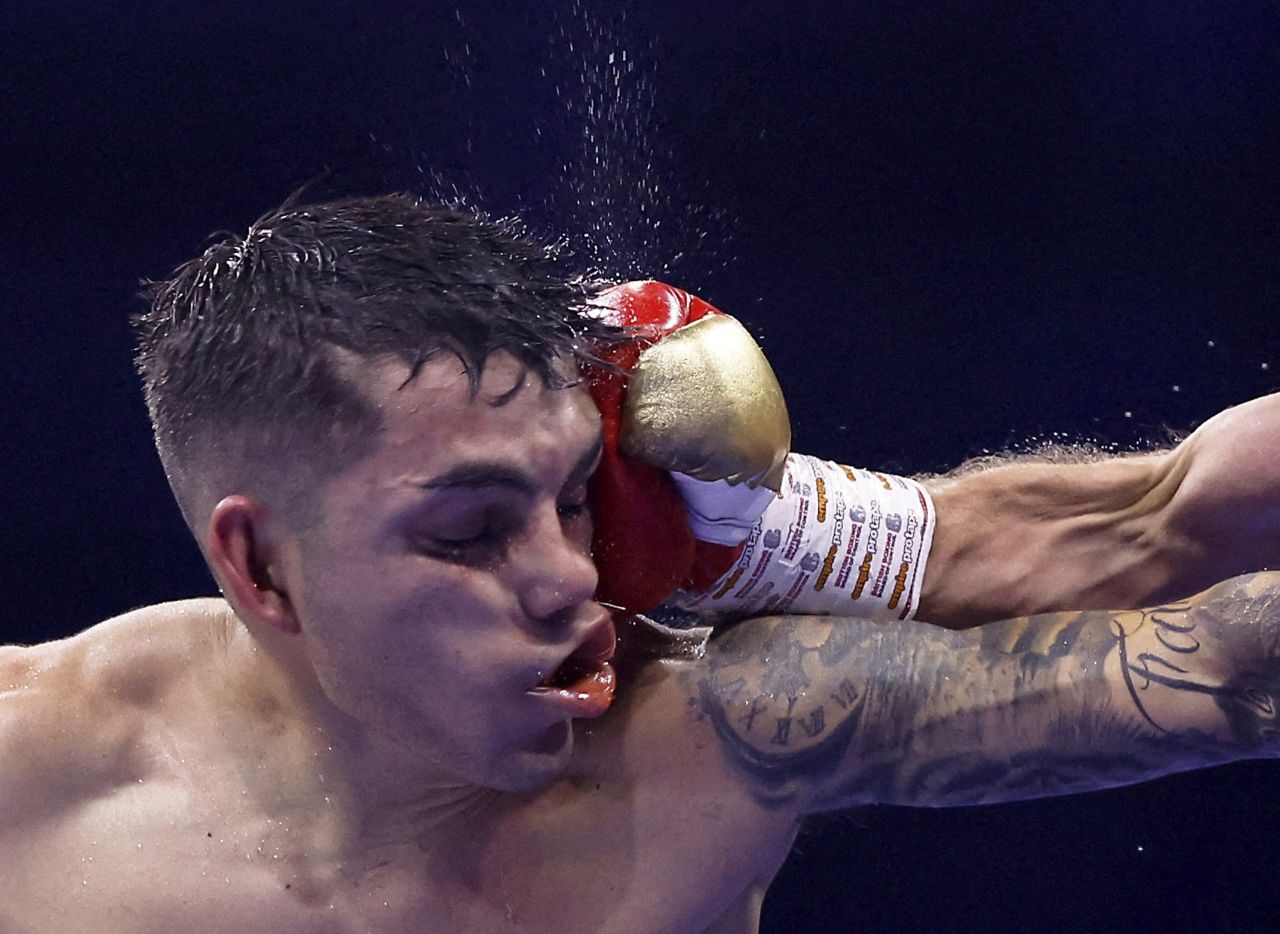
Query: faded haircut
x,y
236,349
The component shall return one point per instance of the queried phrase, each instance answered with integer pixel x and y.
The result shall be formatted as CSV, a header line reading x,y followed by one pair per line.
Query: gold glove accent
x,y
704,401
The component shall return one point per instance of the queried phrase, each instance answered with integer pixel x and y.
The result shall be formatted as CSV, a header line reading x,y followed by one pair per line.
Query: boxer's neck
x,y
349,791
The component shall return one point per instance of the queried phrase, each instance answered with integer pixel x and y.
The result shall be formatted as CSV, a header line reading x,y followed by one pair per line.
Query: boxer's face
x,y
451,571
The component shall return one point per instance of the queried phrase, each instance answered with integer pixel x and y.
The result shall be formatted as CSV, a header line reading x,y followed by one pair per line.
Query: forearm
x,y
840,712
1038,535
1073,702
1029,537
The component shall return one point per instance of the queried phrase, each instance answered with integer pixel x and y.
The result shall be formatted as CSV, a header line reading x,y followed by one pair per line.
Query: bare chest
x,y
156,857
618,861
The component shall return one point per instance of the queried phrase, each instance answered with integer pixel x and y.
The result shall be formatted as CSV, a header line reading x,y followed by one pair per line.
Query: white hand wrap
x,y
836,541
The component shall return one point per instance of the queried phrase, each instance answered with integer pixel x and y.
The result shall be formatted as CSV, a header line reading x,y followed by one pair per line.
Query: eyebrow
x,y
479,474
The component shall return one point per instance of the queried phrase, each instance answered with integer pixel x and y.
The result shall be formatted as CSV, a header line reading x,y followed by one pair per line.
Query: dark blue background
x,y
956,226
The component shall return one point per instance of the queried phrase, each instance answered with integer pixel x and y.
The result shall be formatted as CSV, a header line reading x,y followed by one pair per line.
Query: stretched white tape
x,y
836,540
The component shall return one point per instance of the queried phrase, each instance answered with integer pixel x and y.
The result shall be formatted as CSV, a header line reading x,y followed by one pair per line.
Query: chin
x,y
540,761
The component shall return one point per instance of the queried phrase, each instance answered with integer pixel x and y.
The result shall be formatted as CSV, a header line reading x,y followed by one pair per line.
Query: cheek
x,y
356,614
410,616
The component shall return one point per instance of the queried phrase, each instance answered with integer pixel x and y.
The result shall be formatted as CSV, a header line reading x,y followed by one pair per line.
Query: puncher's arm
x,y
690,403
1034,536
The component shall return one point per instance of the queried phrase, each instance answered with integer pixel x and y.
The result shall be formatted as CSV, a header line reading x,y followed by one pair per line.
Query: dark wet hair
x,y
236,348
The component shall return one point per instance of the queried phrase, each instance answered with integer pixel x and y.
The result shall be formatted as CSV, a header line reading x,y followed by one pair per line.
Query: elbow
x,y
1218,517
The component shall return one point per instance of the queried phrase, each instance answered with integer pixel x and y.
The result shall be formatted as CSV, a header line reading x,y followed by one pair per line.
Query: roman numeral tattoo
x,y
836,712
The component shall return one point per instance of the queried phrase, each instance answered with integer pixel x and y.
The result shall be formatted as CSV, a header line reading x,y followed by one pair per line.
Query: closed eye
x,y
479,549
476,542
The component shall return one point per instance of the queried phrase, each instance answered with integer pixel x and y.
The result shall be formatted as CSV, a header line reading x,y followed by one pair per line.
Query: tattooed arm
x,y
825,713
1035,535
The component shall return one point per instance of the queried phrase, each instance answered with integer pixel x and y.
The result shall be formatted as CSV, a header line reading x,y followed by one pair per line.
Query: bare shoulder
x,y
670,723
675,788
659,734
650,714
72,711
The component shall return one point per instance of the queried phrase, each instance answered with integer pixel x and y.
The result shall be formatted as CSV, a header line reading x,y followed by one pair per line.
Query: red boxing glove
x,y
685,407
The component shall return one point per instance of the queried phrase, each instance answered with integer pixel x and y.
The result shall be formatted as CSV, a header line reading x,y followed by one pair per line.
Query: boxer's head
x,y
367,411
250,354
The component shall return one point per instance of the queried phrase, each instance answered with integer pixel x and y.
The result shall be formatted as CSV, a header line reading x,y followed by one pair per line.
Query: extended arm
x,y
1029,537
825,713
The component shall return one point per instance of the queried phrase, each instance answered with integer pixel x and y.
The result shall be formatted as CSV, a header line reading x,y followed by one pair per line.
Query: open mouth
x,y
586,675
574,673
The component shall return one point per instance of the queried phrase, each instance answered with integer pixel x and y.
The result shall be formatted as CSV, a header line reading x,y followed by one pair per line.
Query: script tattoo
x,y
1175,632
1247,697
1041,705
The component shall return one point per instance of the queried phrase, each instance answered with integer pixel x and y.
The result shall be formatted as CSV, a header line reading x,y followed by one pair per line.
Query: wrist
x,y
835,540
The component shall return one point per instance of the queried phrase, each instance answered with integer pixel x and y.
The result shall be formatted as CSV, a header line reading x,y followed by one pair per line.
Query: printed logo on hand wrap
x,y
900,582
892,523
837,539
799,525
770,541
873,543
857,522
803,553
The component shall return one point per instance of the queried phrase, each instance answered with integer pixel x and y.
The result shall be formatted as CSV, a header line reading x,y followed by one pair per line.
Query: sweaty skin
x,y
352,740
138,798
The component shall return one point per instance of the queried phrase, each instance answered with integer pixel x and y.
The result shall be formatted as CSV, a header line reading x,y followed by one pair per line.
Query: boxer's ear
x,y
245,558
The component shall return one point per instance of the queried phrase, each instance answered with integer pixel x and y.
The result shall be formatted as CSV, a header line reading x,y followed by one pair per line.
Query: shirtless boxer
x,y
368,731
